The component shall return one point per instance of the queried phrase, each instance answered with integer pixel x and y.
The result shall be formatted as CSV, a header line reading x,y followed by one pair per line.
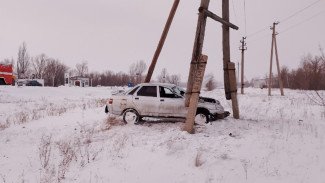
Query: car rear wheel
x,y
201,117
130,116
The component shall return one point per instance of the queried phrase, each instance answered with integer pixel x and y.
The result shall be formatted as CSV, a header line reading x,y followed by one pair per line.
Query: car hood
x,y
208,100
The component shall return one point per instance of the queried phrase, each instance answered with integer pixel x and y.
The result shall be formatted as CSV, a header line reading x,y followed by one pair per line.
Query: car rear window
x,y
148,91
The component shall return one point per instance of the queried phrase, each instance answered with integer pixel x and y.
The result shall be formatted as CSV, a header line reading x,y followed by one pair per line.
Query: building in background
x,y
76,81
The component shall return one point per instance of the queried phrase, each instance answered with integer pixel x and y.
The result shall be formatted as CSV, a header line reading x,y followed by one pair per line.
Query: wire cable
x,y
257,32
304,21
299,11
258,39
285,19
233,7
245,17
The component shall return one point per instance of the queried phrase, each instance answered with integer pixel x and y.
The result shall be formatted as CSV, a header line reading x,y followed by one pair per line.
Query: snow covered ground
x,y
63,135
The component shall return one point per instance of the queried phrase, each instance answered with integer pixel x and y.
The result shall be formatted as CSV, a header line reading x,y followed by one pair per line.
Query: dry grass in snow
x,y
68,138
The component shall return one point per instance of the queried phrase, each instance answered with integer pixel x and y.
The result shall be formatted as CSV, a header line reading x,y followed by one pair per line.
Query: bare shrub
x,y
61,110
36,114
245,164
54,110
86,150
96,103
224,157
317,98
87,153
22,117
4,125
45,150
119,144
50,110
48,175
67,153
210,82
86,133
110,122
21,178
84,106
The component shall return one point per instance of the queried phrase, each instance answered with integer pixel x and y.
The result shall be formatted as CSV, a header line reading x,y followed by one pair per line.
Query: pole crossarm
x,y
217,18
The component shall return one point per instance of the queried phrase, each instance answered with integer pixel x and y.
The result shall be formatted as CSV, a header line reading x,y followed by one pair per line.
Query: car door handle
x,y
136,98
162,100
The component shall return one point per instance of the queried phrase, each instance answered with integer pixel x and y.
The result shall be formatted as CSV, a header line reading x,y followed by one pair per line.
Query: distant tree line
x,y
53,71
38,67
309,76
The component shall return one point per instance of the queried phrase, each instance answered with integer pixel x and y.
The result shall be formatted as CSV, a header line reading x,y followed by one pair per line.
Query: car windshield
x,y
179,91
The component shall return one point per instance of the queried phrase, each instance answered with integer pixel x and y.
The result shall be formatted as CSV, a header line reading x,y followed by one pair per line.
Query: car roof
x,y
159,84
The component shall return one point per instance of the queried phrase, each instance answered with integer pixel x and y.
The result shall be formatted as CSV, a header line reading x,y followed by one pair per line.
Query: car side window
x,y
148,91
133,91
166,93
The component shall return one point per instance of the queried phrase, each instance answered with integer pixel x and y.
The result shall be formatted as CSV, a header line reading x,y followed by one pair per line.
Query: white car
x,y
161,100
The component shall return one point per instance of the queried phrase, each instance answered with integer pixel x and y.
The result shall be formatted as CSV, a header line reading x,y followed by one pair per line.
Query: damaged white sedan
x,y
161,100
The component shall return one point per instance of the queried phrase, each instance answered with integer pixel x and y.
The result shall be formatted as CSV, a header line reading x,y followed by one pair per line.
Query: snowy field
x,y
63,135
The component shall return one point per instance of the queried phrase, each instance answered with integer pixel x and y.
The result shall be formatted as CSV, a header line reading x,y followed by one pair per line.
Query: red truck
x,y
6,75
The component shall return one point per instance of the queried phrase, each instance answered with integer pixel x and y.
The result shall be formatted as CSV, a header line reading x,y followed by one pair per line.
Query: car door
x,y
146,100
171,104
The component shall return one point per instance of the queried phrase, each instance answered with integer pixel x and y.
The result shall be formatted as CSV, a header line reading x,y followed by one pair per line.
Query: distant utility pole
x,y
238,72
243,48
277,60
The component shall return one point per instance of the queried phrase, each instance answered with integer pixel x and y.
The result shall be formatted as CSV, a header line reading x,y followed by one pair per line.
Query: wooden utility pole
x,y
226,47
229,77
270,76
243,48
273,44
197,49
198,62
162,41
238,72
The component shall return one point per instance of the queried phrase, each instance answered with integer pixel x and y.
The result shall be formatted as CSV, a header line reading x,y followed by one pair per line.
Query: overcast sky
x,y
111,35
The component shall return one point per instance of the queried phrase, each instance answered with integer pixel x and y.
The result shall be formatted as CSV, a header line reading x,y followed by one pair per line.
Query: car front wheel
x,y
130,116
201,118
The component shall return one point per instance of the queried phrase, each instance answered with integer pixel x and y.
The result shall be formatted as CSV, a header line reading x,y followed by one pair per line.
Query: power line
x,y
258,39
257,32
284,19
245,16
299,11
233,7
295,25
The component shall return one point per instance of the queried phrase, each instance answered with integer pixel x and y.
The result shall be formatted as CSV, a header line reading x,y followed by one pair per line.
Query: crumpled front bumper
x,y
216,116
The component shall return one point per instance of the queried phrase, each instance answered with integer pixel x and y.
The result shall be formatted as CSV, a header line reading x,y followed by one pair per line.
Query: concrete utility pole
x,y
273,44
162,41
194,100
243,48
